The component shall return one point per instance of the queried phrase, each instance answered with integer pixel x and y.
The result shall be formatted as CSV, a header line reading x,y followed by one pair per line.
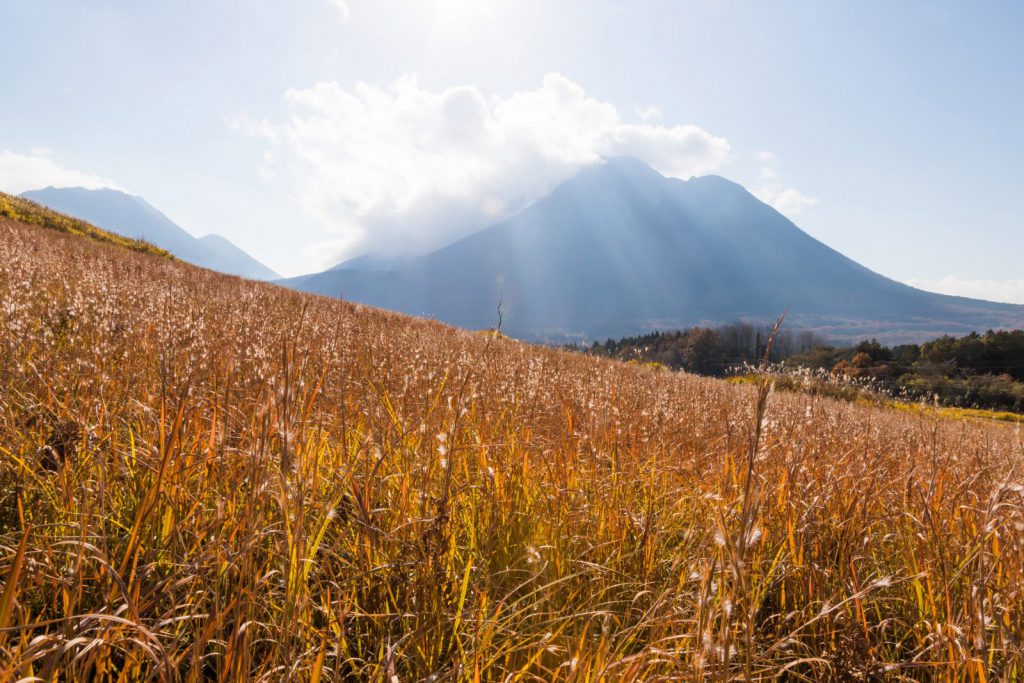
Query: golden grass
x,y
957,413
204,478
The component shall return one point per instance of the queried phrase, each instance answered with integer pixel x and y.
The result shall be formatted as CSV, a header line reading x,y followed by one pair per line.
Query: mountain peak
x,y
625,168
629,164
620,249
639,173
81,191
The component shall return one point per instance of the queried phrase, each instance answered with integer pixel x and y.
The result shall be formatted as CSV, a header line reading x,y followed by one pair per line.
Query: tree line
x,y
706,350
974,371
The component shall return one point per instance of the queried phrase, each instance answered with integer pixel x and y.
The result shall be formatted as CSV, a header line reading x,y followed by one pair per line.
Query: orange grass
x,y
204,478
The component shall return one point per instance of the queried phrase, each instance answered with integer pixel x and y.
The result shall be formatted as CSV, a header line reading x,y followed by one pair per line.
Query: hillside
x,y
620,250
28,212
208,478
133,217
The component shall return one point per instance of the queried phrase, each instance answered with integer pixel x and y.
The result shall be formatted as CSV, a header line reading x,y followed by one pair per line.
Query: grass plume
x,y
266,485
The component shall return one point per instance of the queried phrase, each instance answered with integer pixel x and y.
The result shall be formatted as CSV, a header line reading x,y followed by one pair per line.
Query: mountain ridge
x,y
621,249
133,217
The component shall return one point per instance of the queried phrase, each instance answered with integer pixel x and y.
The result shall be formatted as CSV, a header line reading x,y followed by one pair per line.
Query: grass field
x,y
205,478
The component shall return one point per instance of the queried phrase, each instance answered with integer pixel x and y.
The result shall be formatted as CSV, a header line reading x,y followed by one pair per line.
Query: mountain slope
x,y
133,217
620,249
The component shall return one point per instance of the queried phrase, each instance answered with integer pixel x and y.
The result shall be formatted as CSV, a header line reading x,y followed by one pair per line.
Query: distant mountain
x,y
133,217
231,259
620,249
371,262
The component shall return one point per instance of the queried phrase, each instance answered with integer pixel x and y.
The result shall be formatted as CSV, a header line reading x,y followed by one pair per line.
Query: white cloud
x,y
650,114
22,172
342,7
399,167
786,200
770,190
1007,291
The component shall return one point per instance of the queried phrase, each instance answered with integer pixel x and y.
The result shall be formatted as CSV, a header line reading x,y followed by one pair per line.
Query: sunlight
x,y
456,19
488,345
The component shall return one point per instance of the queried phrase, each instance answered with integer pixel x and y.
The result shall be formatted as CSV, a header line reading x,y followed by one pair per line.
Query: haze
x,y
316,131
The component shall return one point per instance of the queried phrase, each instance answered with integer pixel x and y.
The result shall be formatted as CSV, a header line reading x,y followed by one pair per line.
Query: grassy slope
x,y
27,211
259,483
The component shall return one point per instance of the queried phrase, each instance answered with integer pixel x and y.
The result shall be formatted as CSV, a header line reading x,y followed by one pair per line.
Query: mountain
x,y
133,217
231,259
620,249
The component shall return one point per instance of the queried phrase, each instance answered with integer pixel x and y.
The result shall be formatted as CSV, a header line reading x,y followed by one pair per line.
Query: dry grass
x,y
208,478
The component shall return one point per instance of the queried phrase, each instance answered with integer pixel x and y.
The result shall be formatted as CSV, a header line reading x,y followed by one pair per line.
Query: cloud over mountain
x,y
786,200
373,160
38,169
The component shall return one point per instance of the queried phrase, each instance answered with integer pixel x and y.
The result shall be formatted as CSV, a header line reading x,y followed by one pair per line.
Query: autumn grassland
x,y
208,478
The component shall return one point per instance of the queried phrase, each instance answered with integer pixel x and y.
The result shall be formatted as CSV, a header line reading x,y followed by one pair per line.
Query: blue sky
x,y
312,130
